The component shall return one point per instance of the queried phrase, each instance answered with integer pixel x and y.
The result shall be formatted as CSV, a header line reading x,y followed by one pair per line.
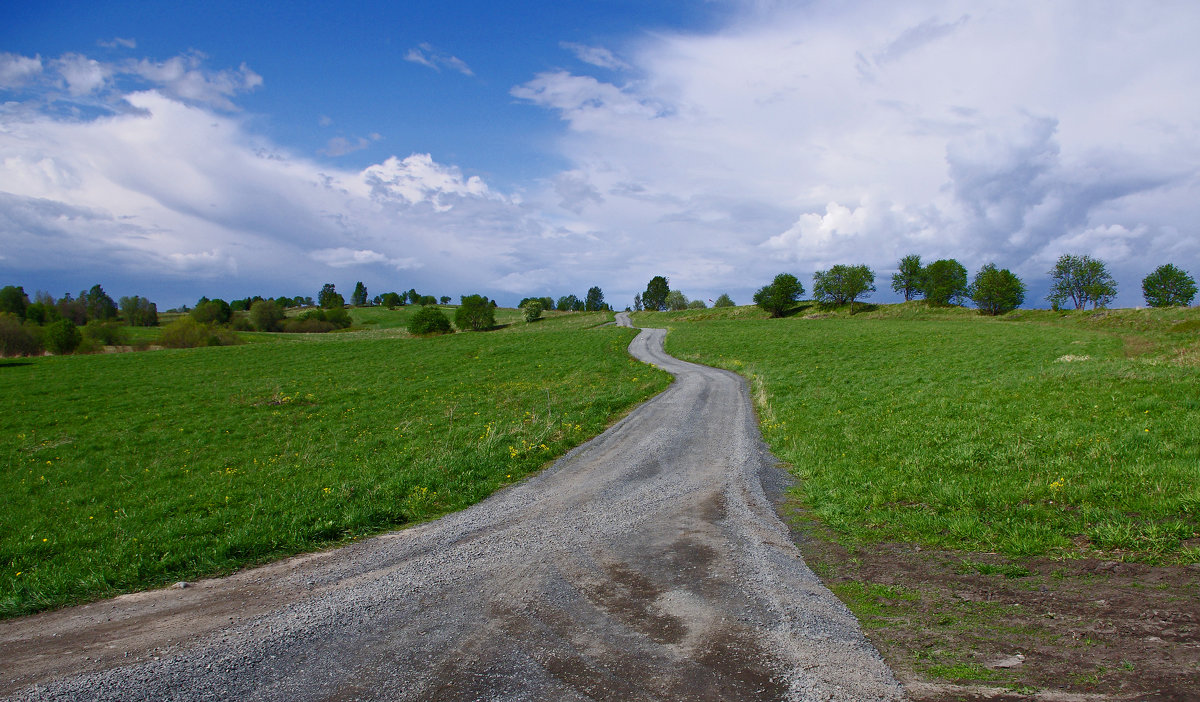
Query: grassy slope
x,y
957,431
127,471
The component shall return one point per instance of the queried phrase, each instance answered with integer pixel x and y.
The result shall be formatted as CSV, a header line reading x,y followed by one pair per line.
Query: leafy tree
x,y
697,304
532,308
42,313
843,284
72,309
266,315
444,299
413,296
723,300
780,296
997,291
139,312
392,300
215,311
547,303
13,300
568,303
1080,279
282,302
359,297
908,279
475,312
595,299
1168,286
61,337
428,300
429,320
637,302
655,297
329,298
99,304
103,334
676,300
944,282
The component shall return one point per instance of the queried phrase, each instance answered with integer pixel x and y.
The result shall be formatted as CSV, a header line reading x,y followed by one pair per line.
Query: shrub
x,y
104,333
997,291
676,300
17,339
723,301
475,313
780,296
429,320
241,324
533,309
61,337
305,326
212,311
1168,286
697,305
338,317
266,315
186,333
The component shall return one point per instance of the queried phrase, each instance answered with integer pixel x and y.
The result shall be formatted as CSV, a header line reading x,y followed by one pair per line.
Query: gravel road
x,y
646,564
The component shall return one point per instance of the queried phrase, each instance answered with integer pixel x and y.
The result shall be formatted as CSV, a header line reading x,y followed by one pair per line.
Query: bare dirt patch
x,y
976,626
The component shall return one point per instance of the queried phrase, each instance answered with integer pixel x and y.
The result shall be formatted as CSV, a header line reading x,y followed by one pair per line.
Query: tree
x,y
99,304
655,297
212,311
723,300
1168,286
843,284
266,315
429,320
61,337
907,280
944,282
532,308
595,299
13,300
428,300
697,304
392,300
569,303
444,299
676,300
329,298
780,296
413,296
359,297
139,312
637,302
72,309
997,291
475,312
1081,279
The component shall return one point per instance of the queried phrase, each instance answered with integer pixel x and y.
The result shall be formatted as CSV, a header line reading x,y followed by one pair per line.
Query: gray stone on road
x,y
646,564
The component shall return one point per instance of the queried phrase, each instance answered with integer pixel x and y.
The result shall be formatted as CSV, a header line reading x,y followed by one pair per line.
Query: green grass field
x,y
1034,434
128,471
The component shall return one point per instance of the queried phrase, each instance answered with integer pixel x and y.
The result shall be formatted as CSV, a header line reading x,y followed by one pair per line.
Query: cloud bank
x,y
790,140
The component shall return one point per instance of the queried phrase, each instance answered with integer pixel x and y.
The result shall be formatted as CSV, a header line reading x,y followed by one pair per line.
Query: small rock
x,y
181,584
1014,661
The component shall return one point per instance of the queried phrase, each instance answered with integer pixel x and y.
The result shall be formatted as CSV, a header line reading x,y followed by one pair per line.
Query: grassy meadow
x,y
133,470
1034,434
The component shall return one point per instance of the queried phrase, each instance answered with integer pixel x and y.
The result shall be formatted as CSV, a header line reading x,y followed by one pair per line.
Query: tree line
x,y
659,297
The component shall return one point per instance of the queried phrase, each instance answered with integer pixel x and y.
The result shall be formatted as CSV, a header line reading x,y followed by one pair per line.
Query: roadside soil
x,y
1034,630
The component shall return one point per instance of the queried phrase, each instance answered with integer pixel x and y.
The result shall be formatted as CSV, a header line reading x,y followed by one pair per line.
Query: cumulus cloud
x,y
343,257
425,55
17,70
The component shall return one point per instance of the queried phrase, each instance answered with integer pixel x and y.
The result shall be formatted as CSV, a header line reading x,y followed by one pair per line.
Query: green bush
x,y
305,326
1167,286
17,339
475,313
61,337
266,315
104,333
724,301
532,309
186,333
213,311
780,296
429,320
997,291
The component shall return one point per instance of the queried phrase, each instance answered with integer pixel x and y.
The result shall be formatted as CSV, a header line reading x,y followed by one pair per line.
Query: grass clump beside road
x,y
127,471
1045,435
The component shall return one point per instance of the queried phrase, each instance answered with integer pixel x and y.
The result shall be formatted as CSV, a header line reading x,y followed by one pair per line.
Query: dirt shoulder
x,y
972,626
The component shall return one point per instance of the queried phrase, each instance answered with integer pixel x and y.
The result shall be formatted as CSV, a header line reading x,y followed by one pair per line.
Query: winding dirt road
x,y
647,564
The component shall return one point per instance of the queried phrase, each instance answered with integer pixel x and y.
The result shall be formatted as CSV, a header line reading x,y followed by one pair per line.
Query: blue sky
x,y
227,149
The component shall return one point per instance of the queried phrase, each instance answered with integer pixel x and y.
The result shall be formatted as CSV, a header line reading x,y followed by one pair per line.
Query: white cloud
x,y
119,42
427,56
595,55
343,257
16,70
82,74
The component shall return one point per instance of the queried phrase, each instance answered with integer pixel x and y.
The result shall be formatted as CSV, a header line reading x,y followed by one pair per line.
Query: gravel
x,y
646,564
